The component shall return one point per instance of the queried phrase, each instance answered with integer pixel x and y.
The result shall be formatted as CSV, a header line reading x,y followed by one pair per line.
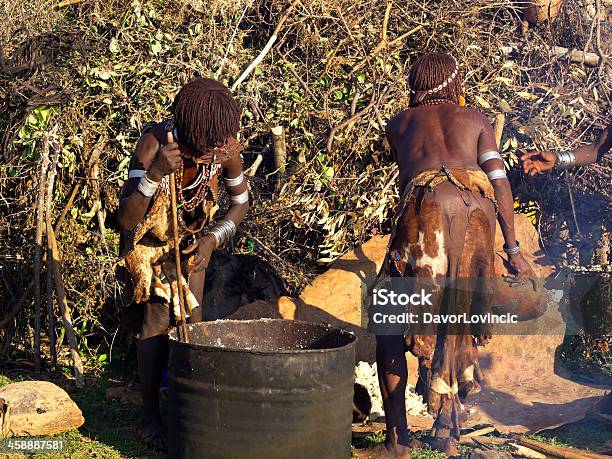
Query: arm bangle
x,y
514,250
223,231
146,186
565,160
240,198
496,174
488,155
234,181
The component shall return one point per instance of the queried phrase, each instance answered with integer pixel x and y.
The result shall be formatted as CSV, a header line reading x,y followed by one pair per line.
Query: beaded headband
x,y
444,84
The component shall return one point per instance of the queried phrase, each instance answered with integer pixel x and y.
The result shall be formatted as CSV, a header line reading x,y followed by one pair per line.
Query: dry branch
x,y
266,48
355,117
38,247
49,228
384,44
279,148
60,292
574,55
558,451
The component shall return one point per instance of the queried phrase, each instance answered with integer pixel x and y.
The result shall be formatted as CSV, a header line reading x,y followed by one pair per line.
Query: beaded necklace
x,y
434,102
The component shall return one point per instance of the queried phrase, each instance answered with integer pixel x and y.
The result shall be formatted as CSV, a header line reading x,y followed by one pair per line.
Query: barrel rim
x,y
175,342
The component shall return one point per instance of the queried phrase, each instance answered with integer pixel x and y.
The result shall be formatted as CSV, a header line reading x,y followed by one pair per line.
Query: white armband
x,y
487,156
496,174
234,181
240,198
136,173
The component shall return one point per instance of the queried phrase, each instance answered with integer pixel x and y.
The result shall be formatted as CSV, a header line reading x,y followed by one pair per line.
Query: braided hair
x,y
428,73
205,114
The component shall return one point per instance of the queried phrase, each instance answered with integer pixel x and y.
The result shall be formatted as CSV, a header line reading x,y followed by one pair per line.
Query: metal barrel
x,y
261,389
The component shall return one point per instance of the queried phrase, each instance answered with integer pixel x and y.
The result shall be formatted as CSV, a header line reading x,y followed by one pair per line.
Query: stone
x,y
123,395
37,408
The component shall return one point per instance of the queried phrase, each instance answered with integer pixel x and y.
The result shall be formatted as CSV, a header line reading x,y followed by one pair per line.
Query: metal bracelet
x,y
240,198
223,231
496,174
514,250
234,181
488,155
147,187
565,160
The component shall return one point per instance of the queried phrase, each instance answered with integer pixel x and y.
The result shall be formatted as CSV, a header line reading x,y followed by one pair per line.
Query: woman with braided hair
x,y
452,187
198,145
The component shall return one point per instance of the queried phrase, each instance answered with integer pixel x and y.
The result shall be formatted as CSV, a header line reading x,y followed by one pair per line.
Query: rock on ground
x,y
366,375
37,408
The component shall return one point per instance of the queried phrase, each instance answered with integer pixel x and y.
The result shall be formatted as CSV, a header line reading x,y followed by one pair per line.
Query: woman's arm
x,y
149,165
541,161
491,163
236,185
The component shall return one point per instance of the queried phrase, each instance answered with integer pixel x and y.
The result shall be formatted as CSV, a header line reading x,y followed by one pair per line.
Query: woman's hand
x,y
204,246
522,269
167,159
539,161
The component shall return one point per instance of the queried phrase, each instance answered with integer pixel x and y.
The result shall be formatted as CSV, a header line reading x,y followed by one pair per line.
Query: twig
x,y
38,247
266,48
383,44
229,45
296,75
383,34
356,116
263,246
60,291
64,3
252,170
18,306
67,208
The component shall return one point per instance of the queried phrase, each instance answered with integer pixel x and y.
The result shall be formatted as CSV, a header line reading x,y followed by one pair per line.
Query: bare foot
x,y
384,451
447,446
153,434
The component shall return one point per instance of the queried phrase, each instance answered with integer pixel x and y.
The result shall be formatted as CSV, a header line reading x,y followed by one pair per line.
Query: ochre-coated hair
x,y
205,114
429,71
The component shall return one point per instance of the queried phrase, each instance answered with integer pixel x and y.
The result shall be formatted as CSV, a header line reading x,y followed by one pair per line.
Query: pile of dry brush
x,y
88,75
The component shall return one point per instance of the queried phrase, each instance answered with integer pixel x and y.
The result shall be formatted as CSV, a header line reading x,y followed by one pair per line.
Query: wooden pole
x,y
49,228
177,251
40,209
279,148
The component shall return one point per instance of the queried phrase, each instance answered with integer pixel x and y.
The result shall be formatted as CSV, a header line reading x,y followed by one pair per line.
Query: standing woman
x,y
198,145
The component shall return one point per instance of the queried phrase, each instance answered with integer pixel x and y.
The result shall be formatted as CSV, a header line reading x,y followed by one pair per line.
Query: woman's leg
x,y
152,358
392,377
